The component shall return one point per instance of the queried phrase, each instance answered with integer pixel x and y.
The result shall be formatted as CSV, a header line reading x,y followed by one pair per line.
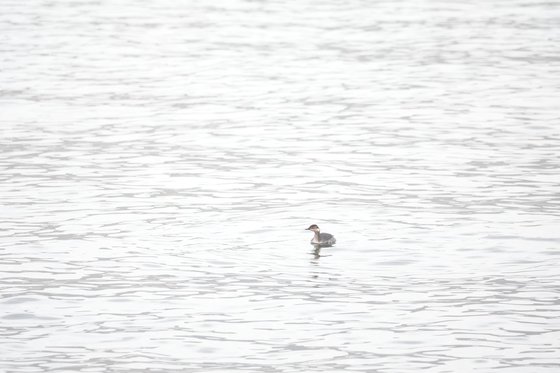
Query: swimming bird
x,y
321,239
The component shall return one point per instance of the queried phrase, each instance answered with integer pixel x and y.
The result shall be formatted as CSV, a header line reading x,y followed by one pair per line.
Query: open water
x,y
160,161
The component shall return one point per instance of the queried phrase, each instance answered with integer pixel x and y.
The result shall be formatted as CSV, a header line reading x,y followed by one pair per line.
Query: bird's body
x,y
321,239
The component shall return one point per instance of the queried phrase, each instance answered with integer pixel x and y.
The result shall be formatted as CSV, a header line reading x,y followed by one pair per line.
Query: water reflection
x,y
317,251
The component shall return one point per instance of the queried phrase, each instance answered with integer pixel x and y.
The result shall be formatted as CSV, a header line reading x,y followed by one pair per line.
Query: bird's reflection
x,y
317,252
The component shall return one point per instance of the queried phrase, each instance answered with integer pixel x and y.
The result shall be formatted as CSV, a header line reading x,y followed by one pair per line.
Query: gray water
x,y
160,161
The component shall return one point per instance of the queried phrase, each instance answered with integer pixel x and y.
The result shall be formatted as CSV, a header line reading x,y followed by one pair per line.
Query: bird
x,y
321,239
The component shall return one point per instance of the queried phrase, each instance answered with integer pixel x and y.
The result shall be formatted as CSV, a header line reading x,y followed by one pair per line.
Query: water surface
x,y
160,161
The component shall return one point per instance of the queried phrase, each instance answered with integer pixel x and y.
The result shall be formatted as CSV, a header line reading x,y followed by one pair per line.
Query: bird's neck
x,y
316,238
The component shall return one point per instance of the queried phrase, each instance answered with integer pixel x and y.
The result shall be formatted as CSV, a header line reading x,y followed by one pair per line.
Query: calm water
x,y
161,159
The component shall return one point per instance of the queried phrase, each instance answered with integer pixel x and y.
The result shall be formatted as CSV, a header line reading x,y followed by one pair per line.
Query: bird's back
x,y
327,238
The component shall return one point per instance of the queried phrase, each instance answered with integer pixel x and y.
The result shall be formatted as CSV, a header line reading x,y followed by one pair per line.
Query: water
x,y
160,161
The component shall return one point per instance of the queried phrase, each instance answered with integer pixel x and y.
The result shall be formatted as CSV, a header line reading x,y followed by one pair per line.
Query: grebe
x,y
321,239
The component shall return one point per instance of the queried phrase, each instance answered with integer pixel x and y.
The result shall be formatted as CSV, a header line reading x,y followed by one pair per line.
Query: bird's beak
x,y
306,229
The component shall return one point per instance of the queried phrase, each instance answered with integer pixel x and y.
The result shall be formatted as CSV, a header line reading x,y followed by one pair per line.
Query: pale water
x,y
161,159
